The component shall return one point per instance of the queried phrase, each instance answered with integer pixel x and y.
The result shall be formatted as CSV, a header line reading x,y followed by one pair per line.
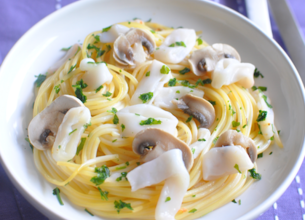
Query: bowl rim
x,y
224,9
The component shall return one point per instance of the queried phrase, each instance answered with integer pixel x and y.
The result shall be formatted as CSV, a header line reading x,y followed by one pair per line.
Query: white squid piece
x,y
165,95
151,83
226,160
169,166
96,74
131,117
203,137
112,34
70,132
70,54
175,53
229,70
266,125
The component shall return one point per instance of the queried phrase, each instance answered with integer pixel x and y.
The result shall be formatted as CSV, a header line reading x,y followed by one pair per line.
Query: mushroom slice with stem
x,y
128,48
152,142
232,137
197,107
204,60
168,166
44,126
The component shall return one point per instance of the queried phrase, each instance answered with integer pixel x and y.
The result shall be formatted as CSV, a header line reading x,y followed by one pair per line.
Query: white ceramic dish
x,y
40,46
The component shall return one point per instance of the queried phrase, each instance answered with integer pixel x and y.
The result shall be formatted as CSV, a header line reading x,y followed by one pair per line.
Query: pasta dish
x,y
144,121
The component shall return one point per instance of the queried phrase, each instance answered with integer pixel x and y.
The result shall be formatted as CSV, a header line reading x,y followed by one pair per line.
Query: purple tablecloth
x,y
17,16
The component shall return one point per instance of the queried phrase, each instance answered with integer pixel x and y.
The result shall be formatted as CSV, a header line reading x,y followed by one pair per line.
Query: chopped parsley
x,y
202,139
40,79
123,175
199,41
56,192
178,91
272,138
212,102
235,124
57,88
99,88
123,127
152,31
257,73
193,210
254,174
265,99
270,153
79,94
193,195
86,210
114,140
115,119
184,71
107,94
99,52
113,110
260,155
178,43
97,38
148,73
262,88
87,125
106,28
245,125
193,150
120,168
262,116
168,199
104,194
102,174
108,46
237,168
254,88
215,140
81,145
189,119
28,140
73,131
71,68
146,96
65,48
172,82
138,163
137,114
120,205
164,69
234,201
127,163
150,121
149,20
203,82
186,83
81,84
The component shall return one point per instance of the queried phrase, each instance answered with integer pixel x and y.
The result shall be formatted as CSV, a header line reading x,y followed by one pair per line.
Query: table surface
x,y
18,16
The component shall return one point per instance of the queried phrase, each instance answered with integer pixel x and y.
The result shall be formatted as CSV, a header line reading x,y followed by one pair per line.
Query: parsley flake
x,y
81,145
164,69
146,96
107,94
86,210
148,73
199,41
56,192
254,174
262,116
99,88
168,199
123,127
106,28
235,124
237,168
104,194
73,131
265,99
189,119
102,174
260,155
262,88
193,210
120,205
40,79
172,82
212,102
257,73
150,121
184,71
202,139
71,68
123,175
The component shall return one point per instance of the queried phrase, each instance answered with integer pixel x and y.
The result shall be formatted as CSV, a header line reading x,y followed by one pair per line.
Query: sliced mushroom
x,y
128,47
152,142
205,59
197,107
44,126
232,137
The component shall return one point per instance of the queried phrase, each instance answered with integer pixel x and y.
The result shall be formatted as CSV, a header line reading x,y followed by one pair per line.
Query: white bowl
x,y
40,47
